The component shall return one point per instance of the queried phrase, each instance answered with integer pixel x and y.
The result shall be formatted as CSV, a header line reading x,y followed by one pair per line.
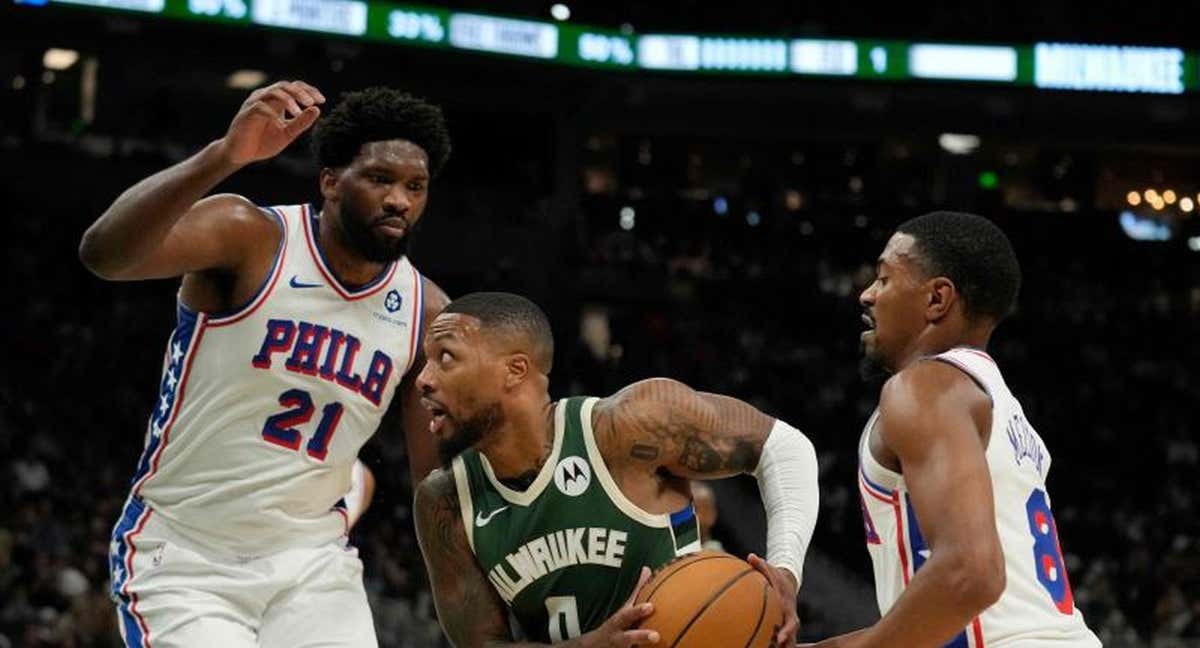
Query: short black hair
x,y
377,115
972,252
511,313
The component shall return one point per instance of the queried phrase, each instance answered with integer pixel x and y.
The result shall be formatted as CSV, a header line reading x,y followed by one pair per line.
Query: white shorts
x,y
169,594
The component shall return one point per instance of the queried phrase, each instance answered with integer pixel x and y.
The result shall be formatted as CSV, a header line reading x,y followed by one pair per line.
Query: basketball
x,y
711,600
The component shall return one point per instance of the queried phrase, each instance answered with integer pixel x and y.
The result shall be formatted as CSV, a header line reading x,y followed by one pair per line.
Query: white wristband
x,y
787,480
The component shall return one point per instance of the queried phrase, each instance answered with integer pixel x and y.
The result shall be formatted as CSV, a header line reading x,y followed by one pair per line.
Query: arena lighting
x,y
1150,195
1134,198
958,143
1194,244
793,200
59,59
1168,197
628,218
246,79
560,11
1143,229
720,205
1186,204
753,218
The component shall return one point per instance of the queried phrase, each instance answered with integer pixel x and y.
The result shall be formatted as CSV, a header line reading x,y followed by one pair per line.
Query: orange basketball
x,y
712,600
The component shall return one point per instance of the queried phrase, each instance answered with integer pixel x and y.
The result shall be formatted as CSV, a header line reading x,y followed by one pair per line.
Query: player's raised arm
x,y
930,416
664,424
161,228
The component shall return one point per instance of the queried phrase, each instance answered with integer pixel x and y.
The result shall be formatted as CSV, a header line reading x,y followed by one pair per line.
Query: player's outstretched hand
x,y
618,630
270,119
785,583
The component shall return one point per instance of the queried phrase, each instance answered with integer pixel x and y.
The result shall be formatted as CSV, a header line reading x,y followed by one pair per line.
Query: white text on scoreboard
x,y
503,35
347,17
1108,67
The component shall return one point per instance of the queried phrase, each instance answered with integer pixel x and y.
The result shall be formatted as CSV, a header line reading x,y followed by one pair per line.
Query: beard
x,y
871,366
468,432
356,225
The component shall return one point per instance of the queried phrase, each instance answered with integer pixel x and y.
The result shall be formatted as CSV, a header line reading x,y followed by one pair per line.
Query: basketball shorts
x,y
170,594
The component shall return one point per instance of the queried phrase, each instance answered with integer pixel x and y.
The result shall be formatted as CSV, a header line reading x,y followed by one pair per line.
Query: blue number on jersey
x,y
280,428
1047,554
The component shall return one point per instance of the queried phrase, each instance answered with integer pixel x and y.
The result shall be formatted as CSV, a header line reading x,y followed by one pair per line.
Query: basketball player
x,y
554,509
952,475
296,329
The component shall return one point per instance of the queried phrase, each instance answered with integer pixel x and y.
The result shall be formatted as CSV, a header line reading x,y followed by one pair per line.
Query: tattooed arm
x,y
663,425
469,610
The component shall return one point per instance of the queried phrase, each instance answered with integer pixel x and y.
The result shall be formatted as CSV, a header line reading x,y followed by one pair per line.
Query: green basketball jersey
x,y
566,553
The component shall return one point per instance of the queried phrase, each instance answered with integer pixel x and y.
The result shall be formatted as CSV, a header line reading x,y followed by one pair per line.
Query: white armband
x,y
787,480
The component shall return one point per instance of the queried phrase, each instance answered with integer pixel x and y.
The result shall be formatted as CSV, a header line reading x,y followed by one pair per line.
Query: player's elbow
x,y
98,257
977,577
91,254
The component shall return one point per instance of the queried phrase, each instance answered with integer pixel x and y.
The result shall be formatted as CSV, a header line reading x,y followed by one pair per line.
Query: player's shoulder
x,y
643,396
437,491
928,384
236,217
235,208
643,408
435,299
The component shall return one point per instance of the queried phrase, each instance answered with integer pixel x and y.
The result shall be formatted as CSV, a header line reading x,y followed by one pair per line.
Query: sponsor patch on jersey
x,y
572,476
393,301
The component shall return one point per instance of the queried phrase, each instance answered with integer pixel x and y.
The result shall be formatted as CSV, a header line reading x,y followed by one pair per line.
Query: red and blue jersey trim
x,y
976,352
911,542
418,319
268,284
370,288
133,518
920,553
882,493
181,351
342,509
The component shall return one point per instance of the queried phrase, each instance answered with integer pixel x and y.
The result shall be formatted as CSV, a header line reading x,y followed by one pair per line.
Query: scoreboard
x,y
1057,66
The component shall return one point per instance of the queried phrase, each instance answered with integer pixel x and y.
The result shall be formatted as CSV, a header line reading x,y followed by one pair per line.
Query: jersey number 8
x,y
1047,554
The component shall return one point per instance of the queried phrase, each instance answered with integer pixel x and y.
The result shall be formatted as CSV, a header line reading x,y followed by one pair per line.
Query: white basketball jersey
x,y
1037,607
262,411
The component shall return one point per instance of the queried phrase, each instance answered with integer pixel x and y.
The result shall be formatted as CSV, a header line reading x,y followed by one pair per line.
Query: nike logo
x,y
296,283
482,520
